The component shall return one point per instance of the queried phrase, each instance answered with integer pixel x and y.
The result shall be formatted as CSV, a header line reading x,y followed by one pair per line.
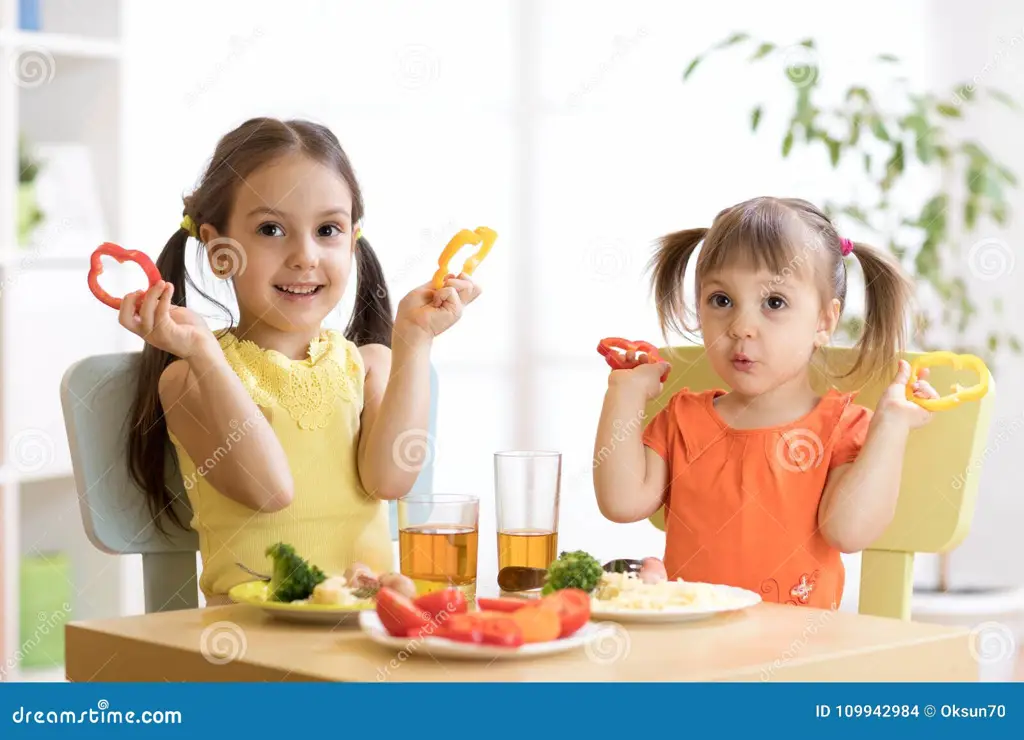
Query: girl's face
x,y
292,219
761,329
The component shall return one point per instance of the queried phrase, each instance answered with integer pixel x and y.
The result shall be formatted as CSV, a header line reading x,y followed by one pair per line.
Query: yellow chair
x,y
940,474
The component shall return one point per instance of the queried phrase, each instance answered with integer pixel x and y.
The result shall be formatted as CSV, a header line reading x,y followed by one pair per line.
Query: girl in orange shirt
x,y
766,484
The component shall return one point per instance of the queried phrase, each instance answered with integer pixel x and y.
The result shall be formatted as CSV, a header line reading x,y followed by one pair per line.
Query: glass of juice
x,y
527,486
437,541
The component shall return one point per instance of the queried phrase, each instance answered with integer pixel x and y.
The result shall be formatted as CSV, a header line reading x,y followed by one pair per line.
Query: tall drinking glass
x,y
437,541
527,486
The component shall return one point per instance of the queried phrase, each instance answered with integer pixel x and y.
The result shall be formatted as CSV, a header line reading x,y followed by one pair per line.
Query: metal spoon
x,y
250,571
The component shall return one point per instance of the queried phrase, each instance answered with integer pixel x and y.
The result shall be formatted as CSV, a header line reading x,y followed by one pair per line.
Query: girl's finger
x,y
127,315
163,308
148,308
468,290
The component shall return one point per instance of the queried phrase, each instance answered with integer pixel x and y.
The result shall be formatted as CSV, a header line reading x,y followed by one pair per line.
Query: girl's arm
x,y
224,432
629,477
207,408
396,410
859,501
394,442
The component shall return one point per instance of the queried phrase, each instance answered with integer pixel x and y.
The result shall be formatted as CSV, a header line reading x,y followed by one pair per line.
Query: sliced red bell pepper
x,y
617,360
502,632
572,606
502,604
448,600
121,255
461,628
398,614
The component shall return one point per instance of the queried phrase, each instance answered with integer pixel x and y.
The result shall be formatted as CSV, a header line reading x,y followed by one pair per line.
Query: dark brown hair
x,y
239,153
781,234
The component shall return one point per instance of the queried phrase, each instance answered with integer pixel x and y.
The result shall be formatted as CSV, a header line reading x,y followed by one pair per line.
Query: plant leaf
x,y
755,118
734,39
762,51
691,66
878,129
867,163
1014,344
1008,177
887,58
1003,98
971,212
949,111
858,92
834,150
787,143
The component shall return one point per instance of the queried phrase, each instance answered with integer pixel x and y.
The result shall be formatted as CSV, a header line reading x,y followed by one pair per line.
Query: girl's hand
x,y
894,404
430,312
173,329
645,377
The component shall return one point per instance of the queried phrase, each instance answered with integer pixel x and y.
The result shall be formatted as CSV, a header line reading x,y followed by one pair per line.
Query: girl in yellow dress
x,y
284,431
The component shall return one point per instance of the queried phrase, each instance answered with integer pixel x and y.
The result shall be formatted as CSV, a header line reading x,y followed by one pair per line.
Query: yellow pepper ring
x,y
483,236
960,394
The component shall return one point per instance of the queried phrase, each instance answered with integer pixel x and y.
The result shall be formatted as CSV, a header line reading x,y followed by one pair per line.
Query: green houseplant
x,y
29,216
893,147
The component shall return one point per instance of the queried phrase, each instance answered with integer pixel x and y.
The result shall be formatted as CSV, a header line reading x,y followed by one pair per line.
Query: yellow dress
x,y
313,406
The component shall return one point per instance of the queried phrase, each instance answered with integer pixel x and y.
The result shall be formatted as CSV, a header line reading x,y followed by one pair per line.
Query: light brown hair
x,y
238,154
778,234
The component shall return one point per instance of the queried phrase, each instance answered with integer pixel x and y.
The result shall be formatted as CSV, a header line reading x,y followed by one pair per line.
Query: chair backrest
x,y
96,396
942,466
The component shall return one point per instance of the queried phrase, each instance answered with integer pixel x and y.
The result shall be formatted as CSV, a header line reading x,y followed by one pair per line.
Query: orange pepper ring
x,y
483,236
957,362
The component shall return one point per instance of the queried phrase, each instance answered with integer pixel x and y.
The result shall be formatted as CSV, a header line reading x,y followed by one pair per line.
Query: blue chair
x,y
96,396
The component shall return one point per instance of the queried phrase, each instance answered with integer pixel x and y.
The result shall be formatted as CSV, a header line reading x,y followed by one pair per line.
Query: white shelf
x,y
54,674
61,45
74,97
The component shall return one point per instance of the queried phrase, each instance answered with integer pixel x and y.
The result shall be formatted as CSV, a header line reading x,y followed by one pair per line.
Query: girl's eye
x,y
775,302
719,300
328,231
270,229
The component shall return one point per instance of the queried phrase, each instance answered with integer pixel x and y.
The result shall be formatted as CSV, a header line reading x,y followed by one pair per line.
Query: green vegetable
x,y
576,569
292,578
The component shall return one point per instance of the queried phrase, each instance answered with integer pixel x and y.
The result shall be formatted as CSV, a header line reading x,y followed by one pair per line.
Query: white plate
x,y
440,648
737,599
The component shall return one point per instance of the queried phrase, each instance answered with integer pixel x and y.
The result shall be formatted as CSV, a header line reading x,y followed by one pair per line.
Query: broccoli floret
x,y
292,578
576,569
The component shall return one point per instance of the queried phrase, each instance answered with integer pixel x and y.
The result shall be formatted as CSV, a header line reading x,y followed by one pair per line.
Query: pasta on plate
x,y
626,591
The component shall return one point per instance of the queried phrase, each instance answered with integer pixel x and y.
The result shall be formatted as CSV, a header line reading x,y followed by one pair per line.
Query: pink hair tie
x,y
846,246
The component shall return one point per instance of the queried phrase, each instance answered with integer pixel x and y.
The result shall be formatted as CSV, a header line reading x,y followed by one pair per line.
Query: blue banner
x,y
490,710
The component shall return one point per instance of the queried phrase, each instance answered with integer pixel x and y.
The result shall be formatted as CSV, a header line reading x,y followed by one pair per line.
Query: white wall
x,y
983,43
563,125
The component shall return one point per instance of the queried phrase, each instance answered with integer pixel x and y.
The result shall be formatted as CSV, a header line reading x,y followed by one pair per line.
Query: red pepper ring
x,y
617,360
121,255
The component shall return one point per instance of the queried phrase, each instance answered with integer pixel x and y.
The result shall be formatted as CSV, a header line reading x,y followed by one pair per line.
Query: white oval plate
x,y
738,599
438,647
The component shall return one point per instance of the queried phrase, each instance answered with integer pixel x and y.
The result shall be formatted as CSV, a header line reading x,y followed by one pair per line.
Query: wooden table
x,y
768,642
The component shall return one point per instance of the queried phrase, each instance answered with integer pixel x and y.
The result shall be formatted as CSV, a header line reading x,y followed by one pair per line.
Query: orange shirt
x,y
741,507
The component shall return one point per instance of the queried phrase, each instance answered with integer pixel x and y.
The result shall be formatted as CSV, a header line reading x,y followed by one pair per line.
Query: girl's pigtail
x,y
147,433
889,293
371,321
669,270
